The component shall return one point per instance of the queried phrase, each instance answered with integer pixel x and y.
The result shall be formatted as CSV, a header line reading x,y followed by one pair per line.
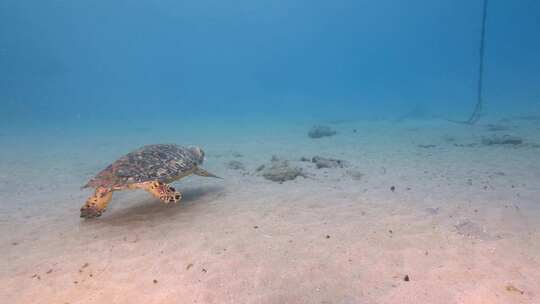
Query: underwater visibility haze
x,y
346,172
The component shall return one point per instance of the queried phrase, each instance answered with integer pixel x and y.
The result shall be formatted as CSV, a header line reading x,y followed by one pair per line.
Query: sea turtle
x,y
150,168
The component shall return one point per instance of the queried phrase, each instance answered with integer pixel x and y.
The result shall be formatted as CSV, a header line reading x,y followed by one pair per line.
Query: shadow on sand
x,y
153,212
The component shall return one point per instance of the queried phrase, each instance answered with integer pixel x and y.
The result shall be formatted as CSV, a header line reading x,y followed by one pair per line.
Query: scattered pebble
x,y
406,278
327,236
155,281
189,266
83,267
512,288
393,188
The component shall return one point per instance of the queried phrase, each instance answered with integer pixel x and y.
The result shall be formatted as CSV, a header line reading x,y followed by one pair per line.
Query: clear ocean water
x,y
84,82
94,62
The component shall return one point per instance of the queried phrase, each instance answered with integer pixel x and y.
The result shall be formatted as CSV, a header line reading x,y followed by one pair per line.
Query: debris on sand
x,y
323,162
472,230
280,171
470,145
355,174
512,288
502,140
236,165
319,131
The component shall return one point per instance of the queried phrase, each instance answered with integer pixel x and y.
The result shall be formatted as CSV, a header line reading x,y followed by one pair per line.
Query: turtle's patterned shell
x,y
153,162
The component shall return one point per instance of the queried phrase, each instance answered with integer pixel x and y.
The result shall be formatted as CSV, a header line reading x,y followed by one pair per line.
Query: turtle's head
x,y
198,153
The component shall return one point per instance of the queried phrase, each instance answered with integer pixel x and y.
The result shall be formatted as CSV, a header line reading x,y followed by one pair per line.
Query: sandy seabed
x,y
461,226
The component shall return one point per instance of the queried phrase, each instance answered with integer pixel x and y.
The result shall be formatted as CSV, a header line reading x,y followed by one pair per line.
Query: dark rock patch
x,y
471,145
323,162
321,131
280,171
502,140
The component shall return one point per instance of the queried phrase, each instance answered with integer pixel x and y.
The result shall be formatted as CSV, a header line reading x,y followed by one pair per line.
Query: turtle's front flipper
x,y
164,192
202,172
97,203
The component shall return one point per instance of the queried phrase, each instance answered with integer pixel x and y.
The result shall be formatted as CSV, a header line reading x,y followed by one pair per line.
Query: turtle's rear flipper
x,y
164,192
97,203
202,172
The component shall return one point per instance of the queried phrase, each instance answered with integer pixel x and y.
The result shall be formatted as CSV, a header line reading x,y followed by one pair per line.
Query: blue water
x,y
86,63
454,208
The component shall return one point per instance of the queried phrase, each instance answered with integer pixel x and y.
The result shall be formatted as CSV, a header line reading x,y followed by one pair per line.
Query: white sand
x,y
324,239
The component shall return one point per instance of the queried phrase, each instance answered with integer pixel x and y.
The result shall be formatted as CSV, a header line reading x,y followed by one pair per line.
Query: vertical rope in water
x,y
475,116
